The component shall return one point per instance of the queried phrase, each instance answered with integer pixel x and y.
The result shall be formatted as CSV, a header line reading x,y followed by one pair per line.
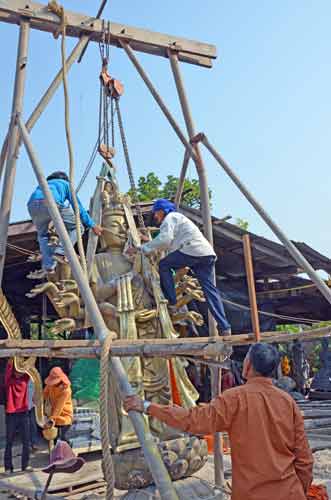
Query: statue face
x,y
116,226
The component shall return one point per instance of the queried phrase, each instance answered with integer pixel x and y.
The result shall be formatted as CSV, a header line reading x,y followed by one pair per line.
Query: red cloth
x,y
317,492
16,390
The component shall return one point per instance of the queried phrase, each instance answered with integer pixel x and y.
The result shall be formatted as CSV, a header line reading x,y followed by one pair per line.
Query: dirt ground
x,y
322,469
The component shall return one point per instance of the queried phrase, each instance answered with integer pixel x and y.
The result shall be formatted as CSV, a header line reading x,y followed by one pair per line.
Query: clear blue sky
x,y
265,105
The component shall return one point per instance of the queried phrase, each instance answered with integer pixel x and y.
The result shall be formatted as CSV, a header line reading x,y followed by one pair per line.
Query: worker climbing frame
x,y
45,17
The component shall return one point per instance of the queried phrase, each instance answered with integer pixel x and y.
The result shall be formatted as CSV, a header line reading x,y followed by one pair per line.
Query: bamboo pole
x,y
251,287
151,452
182,177
216,374
13,137
290,247
203,346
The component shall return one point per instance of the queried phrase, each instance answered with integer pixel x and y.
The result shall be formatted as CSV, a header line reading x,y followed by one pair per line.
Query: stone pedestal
x,y
182,457
190,488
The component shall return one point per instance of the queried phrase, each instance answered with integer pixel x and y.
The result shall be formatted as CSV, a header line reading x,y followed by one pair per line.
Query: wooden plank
x,y
90,472
89,487
190,51
317,423
53,344
24,490
316,413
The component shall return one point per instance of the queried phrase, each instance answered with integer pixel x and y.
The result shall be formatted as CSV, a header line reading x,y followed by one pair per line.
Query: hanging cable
x,y
272,315
112,115
129,166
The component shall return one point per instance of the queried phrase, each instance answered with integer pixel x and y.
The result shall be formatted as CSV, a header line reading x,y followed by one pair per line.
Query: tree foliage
x,y
150,188
242,223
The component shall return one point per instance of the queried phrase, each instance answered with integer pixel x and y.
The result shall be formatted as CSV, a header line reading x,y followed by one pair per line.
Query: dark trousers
x,y
203,270
17,422
61,432
33,428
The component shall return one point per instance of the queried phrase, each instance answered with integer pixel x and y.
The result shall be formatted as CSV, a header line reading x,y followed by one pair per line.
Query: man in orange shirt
x,y
271,458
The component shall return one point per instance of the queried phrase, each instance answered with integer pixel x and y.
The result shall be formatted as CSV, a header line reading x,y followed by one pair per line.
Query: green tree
x,y
150,188
242,223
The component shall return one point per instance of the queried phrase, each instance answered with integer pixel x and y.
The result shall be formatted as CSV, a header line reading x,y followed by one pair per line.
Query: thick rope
x,y
108,468
59,11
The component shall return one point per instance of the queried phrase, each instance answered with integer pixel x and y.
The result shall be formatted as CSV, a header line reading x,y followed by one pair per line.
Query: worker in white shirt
x,y
187,247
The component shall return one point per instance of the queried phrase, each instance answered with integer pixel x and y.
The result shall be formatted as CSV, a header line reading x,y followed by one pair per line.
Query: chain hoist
x,y
110,93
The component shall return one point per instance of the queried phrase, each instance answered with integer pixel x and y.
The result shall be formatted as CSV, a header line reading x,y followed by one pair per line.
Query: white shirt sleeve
x,y
164,239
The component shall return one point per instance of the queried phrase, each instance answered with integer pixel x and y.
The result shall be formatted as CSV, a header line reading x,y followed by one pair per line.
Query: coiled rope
x,y
108,468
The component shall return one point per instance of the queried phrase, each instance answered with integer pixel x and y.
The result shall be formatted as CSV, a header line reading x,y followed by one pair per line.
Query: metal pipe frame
x,y
291,248
10,170
182,177
125,45
151,453
208,230
45,99
204,192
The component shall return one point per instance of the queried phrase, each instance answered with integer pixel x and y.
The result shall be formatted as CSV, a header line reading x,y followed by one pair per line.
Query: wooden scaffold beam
x,y
150,42
202,346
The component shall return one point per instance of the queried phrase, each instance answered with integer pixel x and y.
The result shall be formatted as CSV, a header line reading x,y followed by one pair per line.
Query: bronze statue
x,y
129,296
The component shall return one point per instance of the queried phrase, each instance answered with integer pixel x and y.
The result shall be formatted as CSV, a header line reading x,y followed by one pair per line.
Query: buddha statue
x,y
128,293
149,376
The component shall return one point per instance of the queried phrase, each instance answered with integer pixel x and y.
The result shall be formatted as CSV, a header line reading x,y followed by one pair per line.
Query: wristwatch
x,y
146,406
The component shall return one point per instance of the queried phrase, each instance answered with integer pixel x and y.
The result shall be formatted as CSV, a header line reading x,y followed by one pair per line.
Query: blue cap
x,y
165,205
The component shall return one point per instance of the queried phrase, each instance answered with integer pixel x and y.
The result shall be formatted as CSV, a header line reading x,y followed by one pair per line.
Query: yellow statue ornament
x,y
22,365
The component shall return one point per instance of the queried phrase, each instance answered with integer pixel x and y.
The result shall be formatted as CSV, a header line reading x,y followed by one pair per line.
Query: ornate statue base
x,y
191,488
182,456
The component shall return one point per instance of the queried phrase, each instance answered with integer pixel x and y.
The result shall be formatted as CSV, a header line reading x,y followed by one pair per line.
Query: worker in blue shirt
x,y
58,183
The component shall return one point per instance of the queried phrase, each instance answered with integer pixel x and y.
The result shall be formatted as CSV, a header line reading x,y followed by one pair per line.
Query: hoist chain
x,y
112,117
129,166
100,115
112,96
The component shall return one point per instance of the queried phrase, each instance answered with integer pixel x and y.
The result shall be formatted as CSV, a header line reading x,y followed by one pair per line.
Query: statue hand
x,y
131,251
144,237
133,403
49,424
146,315
98,230
63,324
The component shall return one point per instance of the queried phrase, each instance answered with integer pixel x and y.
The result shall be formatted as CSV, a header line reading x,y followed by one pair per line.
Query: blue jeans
x,y
203,270
41,218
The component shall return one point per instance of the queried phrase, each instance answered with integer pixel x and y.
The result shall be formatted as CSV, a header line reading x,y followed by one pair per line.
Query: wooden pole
x,y
203,346
45,99
251,287
151,452
10,169
216,374
288,244
142,40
